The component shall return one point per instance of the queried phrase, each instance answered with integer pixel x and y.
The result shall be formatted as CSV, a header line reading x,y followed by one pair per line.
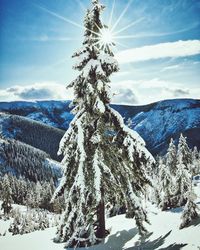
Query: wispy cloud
x,y
46,38
161,50
158,34
178,92
171,67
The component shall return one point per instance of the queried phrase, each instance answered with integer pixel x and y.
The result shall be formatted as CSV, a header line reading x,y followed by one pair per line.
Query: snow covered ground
x,y
164,234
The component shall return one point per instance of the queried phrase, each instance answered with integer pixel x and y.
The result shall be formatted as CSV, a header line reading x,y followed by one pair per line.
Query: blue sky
x,y
159,53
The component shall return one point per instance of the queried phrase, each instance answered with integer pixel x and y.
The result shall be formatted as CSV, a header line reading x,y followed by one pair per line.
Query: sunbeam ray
x,y
60,17
98,27
64,18
129,25
81,5
122,45
50,39
130,36
122,14
98,42
111,14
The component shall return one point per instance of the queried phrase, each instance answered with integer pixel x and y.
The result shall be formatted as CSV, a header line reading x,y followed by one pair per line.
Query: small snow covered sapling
x,y
190,210
104,161
195,162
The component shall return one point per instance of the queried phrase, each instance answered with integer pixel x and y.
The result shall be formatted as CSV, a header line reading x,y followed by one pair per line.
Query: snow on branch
x,y
107,59
67,135
93,65
97,176
132,141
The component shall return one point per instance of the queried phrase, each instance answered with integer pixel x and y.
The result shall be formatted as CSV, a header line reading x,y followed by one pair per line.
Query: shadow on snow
x,y
118,240
145,244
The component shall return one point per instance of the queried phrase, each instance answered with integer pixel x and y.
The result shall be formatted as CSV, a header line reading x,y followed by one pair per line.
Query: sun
x,y
106,37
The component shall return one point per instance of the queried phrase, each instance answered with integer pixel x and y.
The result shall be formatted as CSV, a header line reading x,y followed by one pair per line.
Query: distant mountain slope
x,y
156,122
168,119
36,134
22,160
53,113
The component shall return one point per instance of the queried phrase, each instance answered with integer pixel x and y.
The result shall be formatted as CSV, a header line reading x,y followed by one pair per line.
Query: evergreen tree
x,y
195,162
183,182
190,210
184,175
46,195
184,153
15,226
59,204
167,177
43,221
6,196
38,194
22,191
154,192
171,157
32,199
176,175
104,160
165,185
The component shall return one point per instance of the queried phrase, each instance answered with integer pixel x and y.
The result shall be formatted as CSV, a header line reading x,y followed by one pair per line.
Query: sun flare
x,y
106,37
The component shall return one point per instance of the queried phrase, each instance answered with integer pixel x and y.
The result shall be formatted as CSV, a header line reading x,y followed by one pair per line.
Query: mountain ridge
x,y
156,122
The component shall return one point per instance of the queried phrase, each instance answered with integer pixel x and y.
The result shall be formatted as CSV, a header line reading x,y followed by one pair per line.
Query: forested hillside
x,y
34,133
22,160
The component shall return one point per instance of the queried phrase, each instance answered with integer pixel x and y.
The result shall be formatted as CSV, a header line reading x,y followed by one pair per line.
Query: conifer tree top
x,y
95,62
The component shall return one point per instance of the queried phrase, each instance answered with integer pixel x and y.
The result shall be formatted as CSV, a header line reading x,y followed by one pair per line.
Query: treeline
x,y
172,182
36,197
32,184
30,194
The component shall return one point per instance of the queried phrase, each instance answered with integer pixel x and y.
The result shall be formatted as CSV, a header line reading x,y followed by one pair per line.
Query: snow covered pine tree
x,y
6,205
183,175
104,161
167,176
190,211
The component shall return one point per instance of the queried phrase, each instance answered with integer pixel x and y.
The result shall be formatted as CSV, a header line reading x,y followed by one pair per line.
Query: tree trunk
x,y
101,229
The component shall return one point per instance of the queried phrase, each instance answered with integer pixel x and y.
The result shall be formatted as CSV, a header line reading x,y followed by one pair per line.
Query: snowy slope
x,y
156,122
168,119
164,235
53,113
